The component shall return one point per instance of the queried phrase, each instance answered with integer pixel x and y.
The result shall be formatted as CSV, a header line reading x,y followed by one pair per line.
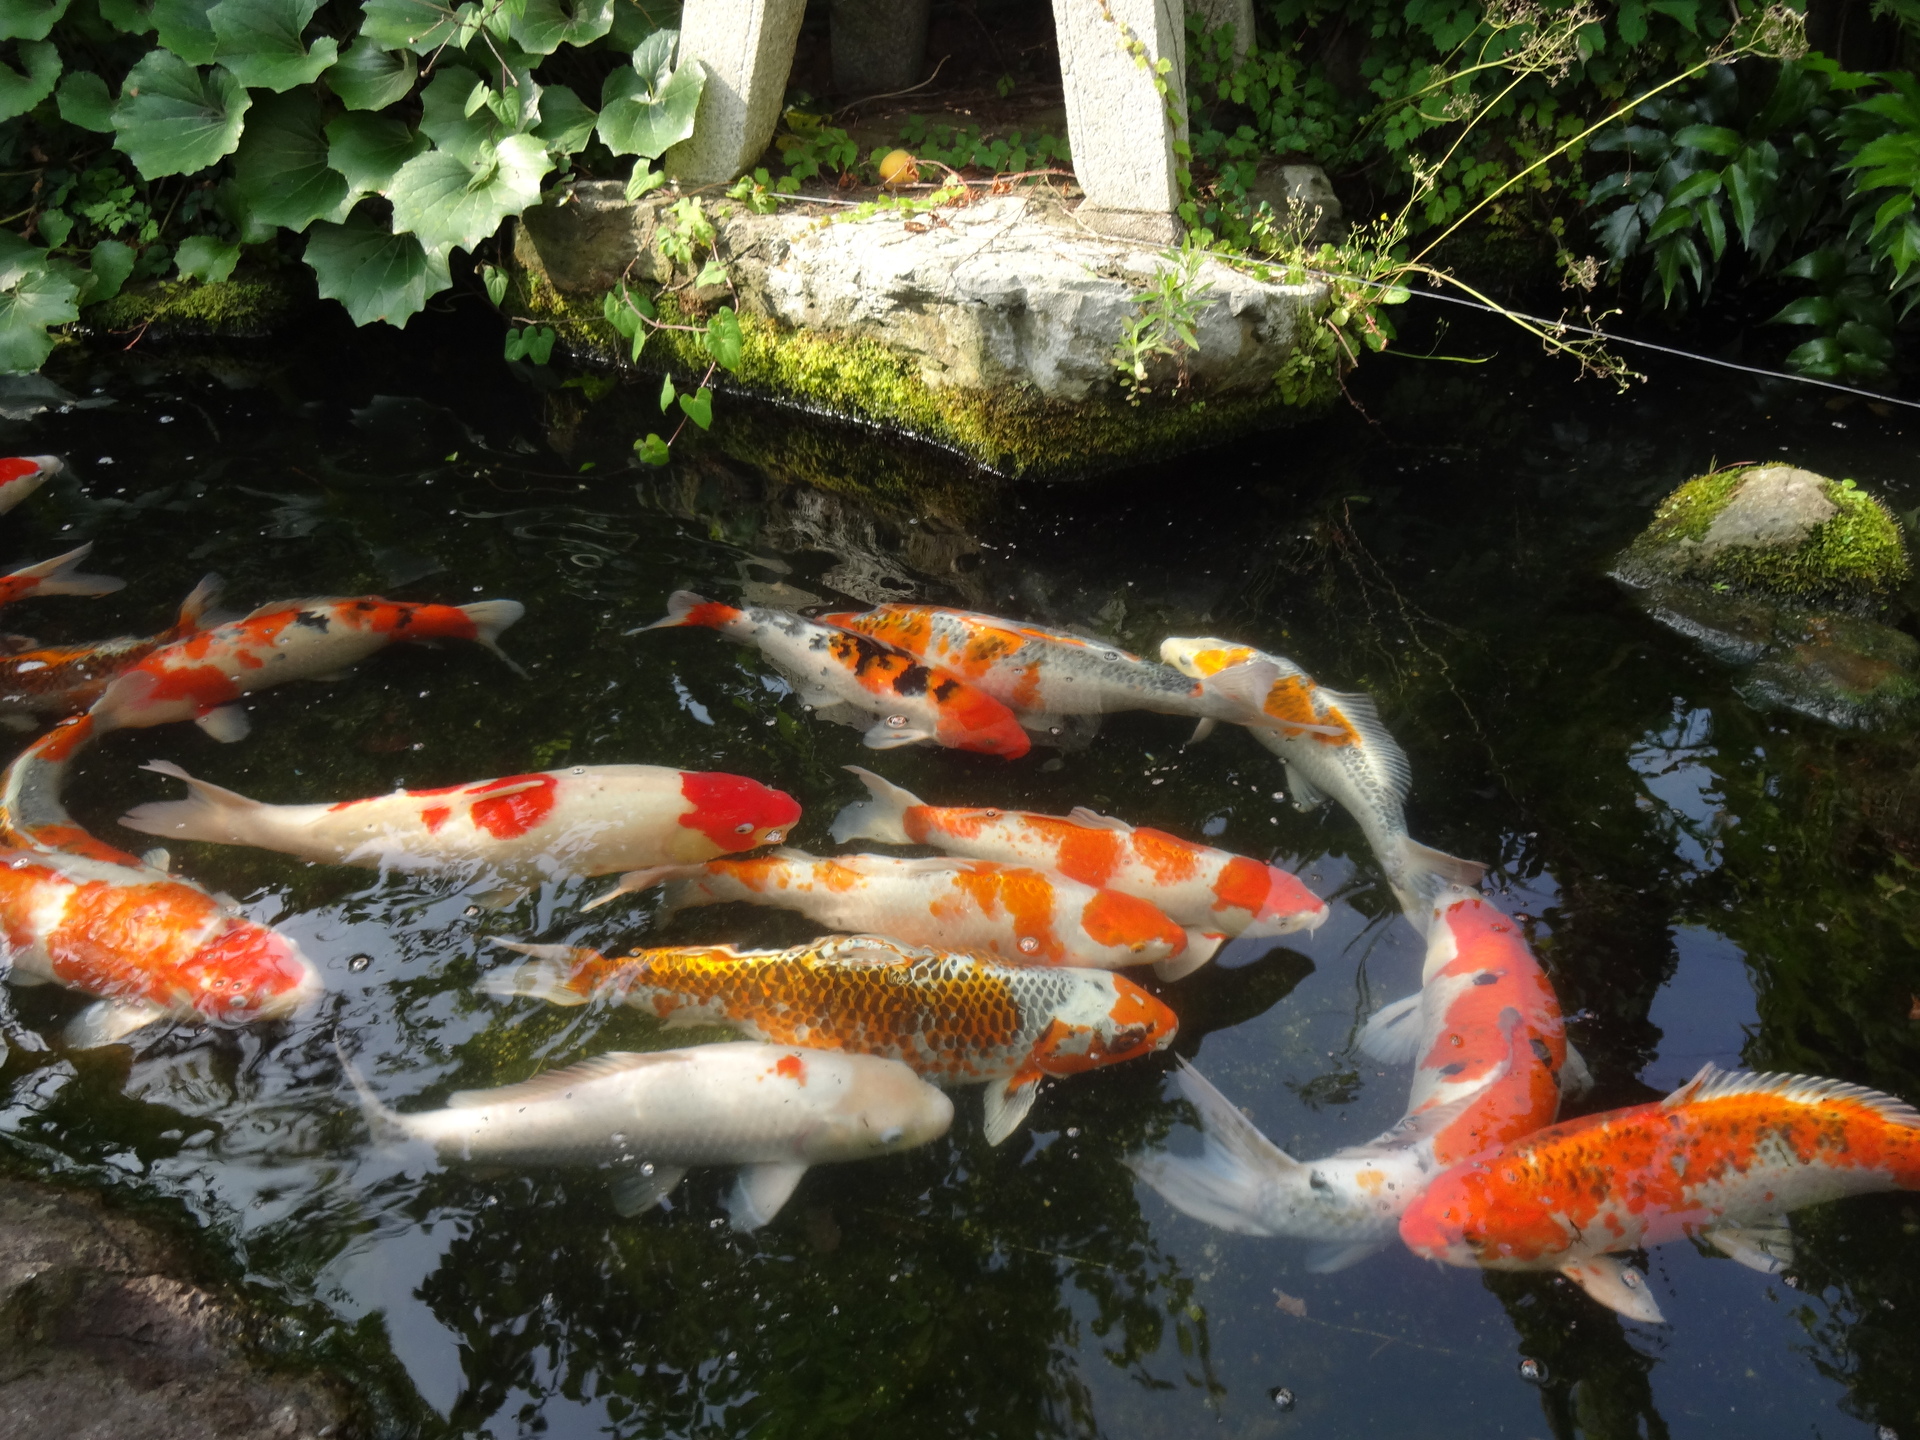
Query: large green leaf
x,y
259,41
446,201
281,166
370,149
34,294
566,121
21,90
84,101
638,119
447,119
201,257
173,120
184,29
111,264
129,16
421,26
545,25
32,19
376,274
368,77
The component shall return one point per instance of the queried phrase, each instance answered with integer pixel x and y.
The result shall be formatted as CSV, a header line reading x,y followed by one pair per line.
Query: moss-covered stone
x,y
246,307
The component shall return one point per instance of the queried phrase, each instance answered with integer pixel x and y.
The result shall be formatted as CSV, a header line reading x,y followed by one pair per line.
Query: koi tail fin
x,y
548,975
1424,873
60,576
490,618
1229,1181
208,813
686,608
881,816
32,814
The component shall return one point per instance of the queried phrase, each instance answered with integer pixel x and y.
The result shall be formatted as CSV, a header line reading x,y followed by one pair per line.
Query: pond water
x,y
1703,882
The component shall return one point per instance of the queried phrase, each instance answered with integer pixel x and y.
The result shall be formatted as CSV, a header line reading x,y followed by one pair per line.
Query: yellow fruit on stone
x,y
897,167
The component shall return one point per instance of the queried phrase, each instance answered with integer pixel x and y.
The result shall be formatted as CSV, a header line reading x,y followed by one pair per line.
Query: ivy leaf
x,y
201,257
110,264
32,19
173,120
635,120
699,407
368,77
34,294
282,164
417,25
446,120
652,450
259,41
84,101
724,341
666,393
543,26
566,121
446,201
184,28
370,150
376,274
495,279
20,92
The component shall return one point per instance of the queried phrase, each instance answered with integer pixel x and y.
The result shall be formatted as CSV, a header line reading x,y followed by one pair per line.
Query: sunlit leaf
x,y
699,407
21,90
652,450
34,294
201,257
724,341
368,77
1714,139
259,41
566,121
370,149
495,279
543,26
29,19
172,119
376,274
445,119
447,201
184,28
417,25
84,101
281,165
636,121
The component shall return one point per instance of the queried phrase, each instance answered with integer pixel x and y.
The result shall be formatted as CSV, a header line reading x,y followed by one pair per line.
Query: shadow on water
x,y
1703,882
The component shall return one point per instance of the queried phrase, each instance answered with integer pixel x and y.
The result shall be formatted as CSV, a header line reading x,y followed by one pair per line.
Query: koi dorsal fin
x,y
1094,820
1383,752
1691,1090
558,1082
1713,1084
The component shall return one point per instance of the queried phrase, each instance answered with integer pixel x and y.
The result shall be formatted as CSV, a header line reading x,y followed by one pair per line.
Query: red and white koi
x,y
1486,1028
587,820
955,1019
1725,1157
58,576
1202,889
840,676
197,678
1333,744
21,475
56,680
1022,916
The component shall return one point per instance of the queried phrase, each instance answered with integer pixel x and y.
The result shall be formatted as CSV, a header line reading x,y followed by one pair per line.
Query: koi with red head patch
x,y
197,677
586,820
848,678
1208,891
1025,917
1725,1157
56,680
956,1019
21,475
58,576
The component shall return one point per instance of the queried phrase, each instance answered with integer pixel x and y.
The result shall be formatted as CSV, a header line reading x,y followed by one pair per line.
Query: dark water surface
x,y
1704,882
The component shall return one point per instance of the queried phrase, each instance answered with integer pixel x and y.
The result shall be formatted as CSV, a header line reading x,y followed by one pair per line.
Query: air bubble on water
x,y
1073,1132
1282,1398
471,910
1533,1371
359,962
579,769
1886,1432
647,1167
1028,944
732,1355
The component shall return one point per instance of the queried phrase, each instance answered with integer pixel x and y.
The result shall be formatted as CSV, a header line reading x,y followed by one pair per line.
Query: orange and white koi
x,y
145,944
21,475
58,576
197,678
955,1019
841,676
56,680
1201,888
1486,1028
1725,1157
1333,744
1025,917
587,820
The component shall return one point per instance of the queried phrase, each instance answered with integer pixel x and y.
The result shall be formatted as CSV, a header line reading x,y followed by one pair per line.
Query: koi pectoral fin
x,y
1007,1105
760,1191
1616,1285
893,731
228,724
1202,946
107,1022
1325,1259
1201,731
638,1186
1766,1246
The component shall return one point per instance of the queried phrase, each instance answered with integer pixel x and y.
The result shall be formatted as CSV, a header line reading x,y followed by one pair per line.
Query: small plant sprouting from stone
x,y
1165,325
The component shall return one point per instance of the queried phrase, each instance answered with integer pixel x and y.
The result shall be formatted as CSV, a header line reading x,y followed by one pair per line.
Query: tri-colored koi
x,y
1333,744
847,677
586,820
1201,888
1486,1029
58,576
56,680
1725,1157
21,475
956,1019
1025,917
196,678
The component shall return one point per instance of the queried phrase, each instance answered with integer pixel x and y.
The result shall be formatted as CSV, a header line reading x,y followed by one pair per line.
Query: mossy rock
x,y
246,307
1854,673
1775,531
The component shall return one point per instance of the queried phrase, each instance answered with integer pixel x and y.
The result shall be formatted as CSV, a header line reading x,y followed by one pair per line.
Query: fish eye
x,y
745,827
898,722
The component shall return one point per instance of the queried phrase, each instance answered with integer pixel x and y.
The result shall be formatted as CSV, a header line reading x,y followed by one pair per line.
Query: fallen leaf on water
x,y
1292,1304
1914,1013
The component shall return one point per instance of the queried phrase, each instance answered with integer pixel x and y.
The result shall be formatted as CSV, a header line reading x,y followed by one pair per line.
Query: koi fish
x,y
58,576
1333,744
55,680
1486,1028
1198,887
195,678
1043,673
1725,1157
146,944
841,675
21,475
773,1110
587,820
955,1019
1025,917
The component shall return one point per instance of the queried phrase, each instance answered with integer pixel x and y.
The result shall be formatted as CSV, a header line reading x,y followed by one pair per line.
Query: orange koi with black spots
x,y
56,680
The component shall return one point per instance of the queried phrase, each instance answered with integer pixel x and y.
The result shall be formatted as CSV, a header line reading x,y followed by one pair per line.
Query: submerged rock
x,y
1844,670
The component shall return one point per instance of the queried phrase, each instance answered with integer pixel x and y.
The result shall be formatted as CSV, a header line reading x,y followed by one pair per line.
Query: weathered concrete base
x,y
1117,120
1149,227
747,48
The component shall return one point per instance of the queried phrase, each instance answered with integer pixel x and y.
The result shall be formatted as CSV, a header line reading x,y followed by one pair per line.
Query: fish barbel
x,y
1486,1029
1197,886
1333,744
196,678
58,576
55,680
21,475
955,1019
1725,1157
773,1110
837,673
1022,916
587,820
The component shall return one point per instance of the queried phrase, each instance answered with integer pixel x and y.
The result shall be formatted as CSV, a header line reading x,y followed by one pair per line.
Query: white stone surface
x,y
1775,505
1117,121
747,47
1237,13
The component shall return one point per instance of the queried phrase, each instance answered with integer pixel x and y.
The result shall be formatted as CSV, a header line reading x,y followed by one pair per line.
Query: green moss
x,y
1014,432
247,307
